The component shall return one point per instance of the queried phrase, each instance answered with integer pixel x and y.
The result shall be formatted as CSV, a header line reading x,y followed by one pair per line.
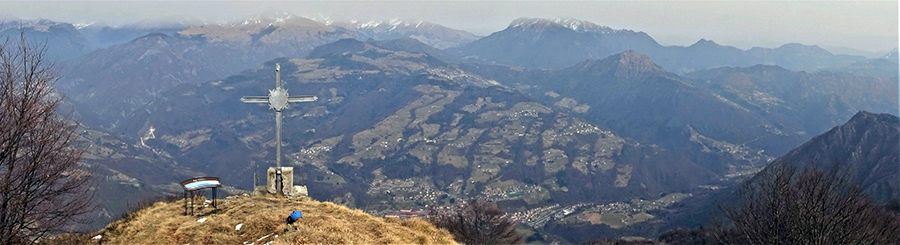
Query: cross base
x,y
287,182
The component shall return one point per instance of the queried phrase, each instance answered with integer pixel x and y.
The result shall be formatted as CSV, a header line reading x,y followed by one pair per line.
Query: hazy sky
x,y
869,26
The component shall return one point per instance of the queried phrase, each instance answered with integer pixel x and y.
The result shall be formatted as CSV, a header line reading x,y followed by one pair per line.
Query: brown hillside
x,y
262,221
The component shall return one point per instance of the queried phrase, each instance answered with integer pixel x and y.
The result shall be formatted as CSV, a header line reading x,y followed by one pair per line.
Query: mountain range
x,y
553,119
726,118
431,34
392,125
62,40
816,101
172,55
222,49
388,117
563,42
885,66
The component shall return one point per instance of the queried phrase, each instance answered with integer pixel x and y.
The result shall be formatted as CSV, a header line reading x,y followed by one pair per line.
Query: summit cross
x,y
278,100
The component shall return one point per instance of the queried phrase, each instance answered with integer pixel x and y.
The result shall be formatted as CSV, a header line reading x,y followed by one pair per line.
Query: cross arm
x,y
303,98
255,99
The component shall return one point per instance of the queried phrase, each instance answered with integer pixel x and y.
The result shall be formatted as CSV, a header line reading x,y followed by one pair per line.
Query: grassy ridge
x,y
262,221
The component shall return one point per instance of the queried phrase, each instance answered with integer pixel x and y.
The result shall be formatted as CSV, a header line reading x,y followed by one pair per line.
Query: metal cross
x,y
278,100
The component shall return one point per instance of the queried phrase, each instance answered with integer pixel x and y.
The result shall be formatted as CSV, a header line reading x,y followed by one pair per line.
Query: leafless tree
x,y
783,206
478,222
42,190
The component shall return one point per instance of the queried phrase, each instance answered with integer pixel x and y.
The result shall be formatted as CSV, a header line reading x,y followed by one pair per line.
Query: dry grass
x,y
263,220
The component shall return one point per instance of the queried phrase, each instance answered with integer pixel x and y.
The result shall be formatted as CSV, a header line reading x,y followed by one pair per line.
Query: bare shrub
x,y
478,222
815,207
42,190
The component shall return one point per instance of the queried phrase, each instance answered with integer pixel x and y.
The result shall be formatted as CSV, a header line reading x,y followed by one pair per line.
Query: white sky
x,y
870,26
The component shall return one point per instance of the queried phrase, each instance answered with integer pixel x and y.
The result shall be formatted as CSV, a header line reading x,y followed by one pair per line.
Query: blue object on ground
x,y
296,215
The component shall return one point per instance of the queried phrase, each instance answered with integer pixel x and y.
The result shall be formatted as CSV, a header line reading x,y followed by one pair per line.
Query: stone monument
x,y
287,178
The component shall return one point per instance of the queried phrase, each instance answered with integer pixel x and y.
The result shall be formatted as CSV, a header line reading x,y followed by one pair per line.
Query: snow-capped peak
x,y
580,25
392,23
571,23
82,25
268,16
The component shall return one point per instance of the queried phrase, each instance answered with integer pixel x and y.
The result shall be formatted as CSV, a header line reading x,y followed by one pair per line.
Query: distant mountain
x,y
102,36
398,129
251,29
63,40
561,42
351,46
885,66
624,66
810,103
431,34
706,54
730,120
558,43
278,29
67,40
413,45
107,85
799,57
633,96
853,51
867,147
